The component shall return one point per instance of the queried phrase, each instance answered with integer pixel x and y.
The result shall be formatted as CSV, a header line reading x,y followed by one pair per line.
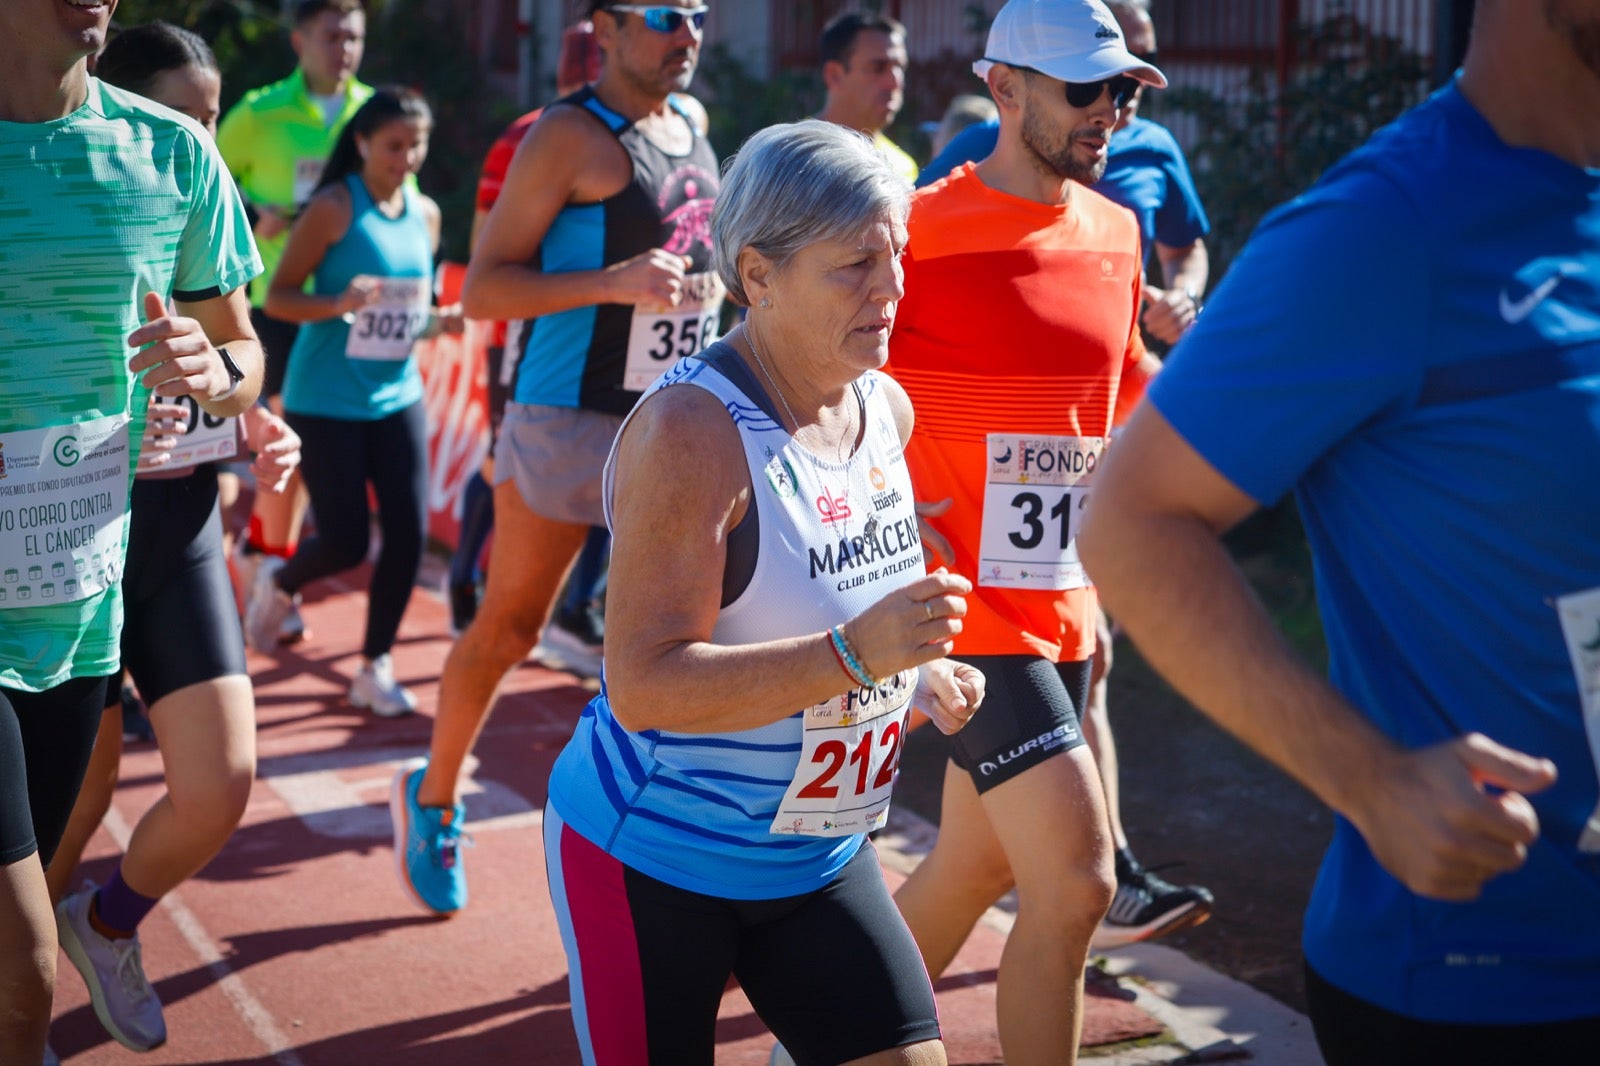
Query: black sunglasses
x,y
1082,94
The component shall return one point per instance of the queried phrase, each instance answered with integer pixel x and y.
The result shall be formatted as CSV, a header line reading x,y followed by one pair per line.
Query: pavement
x,y
296,946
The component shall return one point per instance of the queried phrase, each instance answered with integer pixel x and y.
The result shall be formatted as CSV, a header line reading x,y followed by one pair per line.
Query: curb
x,y
1212,1017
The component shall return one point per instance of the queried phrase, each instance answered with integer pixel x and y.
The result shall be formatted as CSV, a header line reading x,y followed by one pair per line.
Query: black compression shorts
x,y
45,741
833,973
181,621
1030,713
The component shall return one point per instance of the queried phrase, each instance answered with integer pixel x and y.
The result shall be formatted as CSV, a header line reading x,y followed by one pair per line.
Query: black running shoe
x,y
463,606
1146,906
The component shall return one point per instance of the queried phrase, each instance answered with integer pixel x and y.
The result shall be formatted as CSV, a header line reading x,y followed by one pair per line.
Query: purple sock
x,y
119,907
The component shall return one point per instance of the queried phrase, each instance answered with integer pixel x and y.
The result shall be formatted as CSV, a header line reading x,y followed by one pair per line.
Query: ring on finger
x,y
927,609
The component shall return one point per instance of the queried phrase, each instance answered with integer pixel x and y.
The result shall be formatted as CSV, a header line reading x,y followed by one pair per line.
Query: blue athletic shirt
x,y
1413,346
323,379
697,810
1145,172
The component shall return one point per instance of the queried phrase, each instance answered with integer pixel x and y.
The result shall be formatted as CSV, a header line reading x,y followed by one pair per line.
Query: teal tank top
x,y
363,367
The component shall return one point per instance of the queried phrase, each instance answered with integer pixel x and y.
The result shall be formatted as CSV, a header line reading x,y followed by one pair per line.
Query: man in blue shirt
x,y
1413,347
1146,173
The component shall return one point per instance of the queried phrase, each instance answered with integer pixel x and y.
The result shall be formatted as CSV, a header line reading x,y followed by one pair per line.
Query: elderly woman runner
x,y
770,625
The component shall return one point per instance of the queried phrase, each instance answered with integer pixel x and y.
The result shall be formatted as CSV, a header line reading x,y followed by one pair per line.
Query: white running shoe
x,y
246,564
374,687
293,630
269,606
114,973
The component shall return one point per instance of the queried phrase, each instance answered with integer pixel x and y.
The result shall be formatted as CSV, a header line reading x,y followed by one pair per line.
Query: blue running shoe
x,y
427,844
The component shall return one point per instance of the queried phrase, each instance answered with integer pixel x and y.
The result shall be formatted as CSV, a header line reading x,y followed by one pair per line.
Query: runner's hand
x,y
176,357
449,319
949,693
1168,314
931,537
362,291
277,449
1446,819
911,625
652,281
163,428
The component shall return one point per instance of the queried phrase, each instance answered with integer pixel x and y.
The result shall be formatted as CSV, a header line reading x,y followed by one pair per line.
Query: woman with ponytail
x,y
366,240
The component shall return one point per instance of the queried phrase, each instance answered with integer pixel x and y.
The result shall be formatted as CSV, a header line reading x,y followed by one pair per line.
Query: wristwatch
x,y
235,376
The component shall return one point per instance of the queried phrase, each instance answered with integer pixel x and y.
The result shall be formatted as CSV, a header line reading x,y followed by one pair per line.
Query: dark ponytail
x,y
136,57
387,104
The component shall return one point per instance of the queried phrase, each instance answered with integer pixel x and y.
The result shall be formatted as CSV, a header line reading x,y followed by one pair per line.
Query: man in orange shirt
x,y
1018,342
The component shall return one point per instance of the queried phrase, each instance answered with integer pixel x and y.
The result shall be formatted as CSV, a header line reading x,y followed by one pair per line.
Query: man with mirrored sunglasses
x,y
661,17
599,250
1018,343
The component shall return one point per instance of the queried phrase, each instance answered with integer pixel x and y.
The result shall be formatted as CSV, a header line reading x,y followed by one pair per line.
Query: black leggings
x,y
1352,1032
341,457
45,742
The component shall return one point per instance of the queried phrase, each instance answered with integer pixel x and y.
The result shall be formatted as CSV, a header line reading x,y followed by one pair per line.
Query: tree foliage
x,y
1258,151
420,43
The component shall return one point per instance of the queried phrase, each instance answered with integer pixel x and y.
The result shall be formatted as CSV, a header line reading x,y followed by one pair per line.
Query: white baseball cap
x,y
1074,40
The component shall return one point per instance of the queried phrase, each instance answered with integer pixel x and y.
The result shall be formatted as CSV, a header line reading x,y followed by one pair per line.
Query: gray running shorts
x,y
556,456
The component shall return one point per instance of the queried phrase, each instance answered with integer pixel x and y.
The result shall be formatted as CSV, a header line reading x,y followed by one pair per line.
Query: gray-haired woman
x,y
769,627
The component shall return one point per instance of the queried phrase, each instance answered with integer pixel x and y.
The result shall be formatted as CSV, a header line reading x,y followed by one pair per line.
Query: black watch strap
x,y
235,375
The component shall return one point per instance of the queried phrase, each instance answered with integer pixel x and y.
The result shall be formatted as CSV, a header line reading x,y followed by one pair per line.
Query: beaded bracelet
x,y
849,659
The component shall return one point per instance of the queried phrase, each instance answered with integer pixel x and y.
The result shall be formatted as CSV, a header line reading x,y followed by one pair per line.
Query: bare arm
x,y
178,355
1170,311
1150,542
565,158
662,671
320,226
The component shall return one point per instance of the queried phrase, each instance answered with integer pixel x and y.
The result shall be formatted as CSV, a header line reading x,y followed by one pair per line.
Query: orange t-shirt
x,y
1020,319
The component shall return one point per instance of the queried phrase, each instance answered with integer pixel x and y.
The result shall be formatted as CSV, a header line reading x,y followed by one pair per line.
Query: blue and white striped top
x,y
696,810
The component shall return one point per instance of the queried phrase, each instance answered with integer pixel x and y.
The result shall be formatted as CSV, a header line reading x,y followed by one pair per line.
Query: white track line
x,y
255,1016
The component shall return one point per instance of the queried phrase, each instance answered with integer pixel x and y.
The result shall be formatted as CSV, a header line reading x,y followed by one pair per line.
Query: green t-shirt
x,y
120,198
275,141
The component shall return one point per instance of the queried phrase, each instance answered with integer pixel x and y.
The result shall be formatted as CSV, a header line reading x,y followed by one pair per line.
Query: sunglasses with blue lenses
x,y
664,19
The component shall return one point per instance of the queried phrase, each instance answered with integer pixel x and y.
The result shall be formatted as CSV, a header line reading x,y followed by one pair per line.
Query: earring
x,y
766,301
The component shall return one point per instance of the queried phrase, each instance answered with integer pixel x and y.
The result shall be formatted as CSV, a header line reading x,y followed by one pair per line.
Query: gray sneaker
x,y
269,606
121,995
245,565
374,687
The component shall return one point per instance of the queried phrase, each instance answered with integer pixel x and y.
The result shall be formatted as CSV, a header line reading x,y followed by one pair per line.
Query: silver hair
x,y
795,184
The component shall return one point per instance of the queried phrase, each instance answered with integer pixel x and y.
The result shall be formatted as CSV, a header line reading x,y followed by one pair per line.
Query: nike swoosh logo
x,y
1514,311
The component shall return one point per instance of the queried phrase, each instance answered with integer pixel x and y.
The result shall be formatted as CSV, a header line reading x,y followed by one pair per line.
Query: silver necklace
x,y
750,335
